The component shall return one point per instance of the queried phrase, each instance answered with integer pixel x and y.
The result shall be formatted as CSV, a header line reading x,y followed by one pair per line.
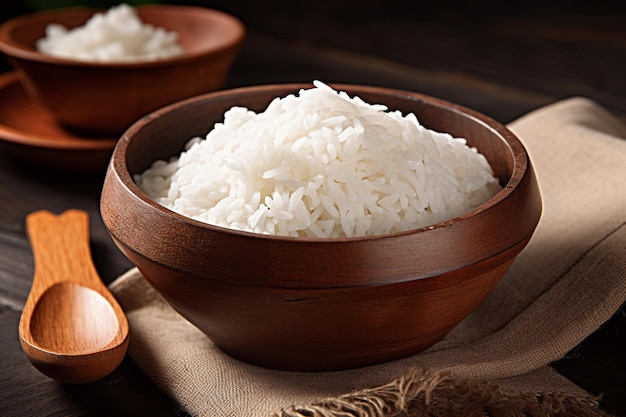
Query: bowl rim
x,y
14,49
521,159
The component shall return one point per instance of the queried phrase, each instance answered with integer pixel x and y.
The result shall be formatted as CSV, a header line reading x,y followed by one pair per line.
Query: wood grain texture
x,y
72,328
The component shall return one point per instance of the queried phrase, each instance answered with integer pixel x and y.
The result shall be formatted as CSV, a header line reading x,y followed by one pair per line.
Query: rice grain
x,y
322,164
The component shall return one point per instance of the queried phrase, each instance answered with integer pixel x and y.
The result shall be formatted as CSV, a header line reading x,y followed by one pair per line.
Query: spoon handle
x,y
61,251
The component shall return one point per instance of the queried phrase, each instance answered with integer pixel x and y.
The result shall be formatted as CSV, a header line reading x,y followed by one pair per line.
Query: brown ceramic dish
x,y
109,97
315,304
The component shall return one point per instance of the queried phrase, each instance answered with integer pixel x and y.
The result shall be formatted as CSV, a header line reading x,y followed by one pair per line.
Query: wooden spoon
x,y
72,329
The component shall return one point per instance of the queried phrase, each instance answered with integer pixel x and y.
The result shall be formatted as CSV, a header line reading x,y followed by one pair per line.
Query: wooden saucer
x,y
30,133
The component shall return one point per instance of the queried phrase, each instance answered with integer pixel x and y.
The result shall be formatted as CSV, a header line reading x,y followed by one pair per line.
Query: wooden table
x,y
501,62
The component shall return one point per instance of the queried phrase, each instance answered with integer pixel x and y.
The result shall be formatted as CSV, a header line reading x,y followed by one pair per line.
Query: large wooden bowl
x,y
106,98
320,304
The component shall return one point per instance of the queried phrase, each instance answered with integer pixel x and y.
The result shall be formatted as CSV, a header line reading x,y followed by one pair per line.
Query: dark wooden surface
x,y
502,61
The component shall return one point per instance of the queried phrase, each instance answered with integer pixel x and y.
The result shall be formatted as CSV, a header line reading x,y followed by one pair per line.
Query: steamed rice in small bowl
x,y
322,227
98,71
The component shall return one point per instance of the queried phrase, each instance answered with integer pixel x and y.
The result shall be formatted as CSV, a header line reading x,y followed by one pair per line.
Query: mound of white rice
x,y
321,164
118,35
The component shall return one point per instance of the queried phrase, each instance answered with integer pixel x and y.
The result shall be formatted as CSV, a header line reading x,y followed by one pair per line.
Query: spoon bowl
x,y
72,329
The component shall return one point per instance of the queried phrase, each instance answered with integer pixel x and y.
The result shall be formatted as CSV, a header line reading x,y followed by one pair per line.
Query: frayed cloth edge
x,y
422,393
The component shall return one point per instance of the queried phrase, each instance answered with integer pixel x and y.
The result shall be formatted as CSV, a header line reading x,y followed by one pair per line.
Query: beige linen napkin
x,y
568,281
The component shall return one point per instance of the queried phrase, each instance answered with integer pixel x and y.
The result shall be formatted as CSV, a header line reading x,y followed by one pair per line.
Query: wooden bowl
x,y
320,304
106,98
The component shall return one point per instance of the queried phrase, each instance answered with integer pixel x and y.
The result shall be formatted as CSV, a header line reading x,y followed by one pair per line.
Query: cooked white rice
x,y
321,164
112,36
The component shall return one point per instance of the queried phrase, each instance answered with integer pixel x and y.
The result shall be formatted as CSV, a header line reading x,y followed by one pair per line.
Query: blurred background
x,y
502,58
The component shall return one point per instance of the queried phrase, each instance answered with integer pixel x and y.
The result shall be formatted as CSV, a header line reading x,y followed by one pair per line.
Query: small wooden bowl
x,y
320,304
106,98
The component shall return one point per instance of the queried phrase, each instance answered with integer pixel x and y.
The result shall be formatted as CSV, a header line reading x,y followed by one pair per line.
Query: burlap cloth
x,y
568,281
